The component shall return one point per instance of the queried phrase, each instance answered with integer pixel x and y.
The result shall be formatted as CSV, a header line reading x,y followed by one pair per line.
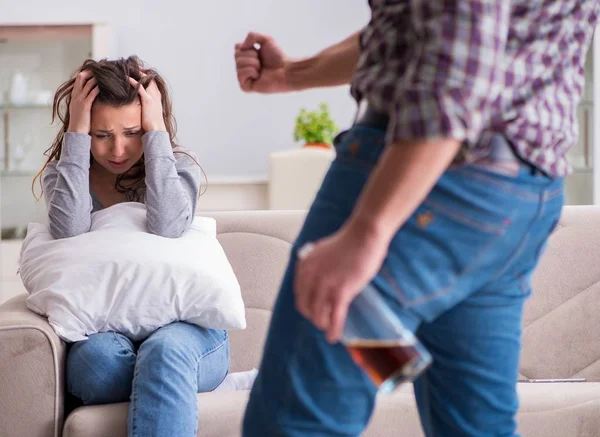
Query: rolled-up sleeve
x,y
456,72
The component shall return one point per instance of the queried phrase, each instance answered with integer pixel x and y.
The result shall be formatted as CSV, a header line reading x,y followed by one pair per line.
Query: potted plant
x,y
316,128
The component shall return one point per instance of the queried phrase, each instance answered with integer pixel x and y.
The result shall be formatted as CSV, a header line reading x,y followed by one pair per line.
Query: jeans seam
x,y
515,253
197,410
445,290
289,392
226,371
507,187
222,379
214,349
355,162
429,426
210,352
524,285
539,213
553,194
134,401
124,346
484,227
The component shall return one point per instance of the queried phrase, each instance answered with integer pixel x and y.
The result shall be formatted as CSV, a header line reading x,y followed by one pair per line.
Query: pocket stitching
x,y
504,186
443,291
466,220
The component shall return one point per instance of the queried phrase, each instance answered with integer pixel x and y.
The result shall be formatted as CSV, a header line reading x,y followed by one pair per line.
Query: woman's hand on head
x,y
152,110
84,92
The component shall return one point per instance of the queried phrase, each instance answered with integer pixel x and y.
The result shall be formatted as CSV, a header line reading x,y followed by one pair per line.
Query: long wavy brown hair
x,y
115,90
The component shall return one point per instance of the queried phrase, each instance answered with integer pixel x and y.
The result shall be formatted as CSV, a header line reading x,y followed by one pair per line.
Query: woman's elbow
x,y
166,230
169,228
66,230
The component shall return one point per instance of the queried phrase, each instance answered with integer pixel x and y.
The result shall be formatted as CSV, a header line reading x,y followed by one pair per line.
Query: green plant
x,y
315,126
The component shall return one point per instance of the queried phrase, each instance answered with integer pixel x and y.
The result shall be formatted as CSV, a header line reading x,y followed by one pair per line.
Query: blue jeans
x,y
160,376
457,273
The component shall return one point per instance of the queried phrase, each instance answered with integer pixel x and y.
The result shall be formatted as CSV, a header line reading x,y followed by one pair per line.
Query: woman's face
x,y
116,136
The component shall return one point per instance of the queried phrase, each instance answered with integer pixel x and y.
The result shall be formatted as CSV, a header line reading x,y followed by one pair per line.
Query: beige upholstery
x,y
560,341
31,373
562,320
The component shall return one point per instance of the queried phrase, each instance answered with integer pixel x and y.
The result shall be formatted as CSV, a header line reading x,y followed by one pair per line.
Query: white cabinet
x,y
34,61
594,182
582,187
296,175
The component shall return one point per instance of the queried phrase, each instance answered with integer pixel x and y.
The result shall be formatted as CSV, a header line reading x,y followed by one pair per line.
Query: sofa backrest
x,y
561,329
257,244
561,321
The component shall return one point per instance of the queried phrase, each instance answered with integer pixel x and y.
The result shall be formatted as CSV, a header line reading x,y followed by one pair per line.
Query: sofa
x,y
560,340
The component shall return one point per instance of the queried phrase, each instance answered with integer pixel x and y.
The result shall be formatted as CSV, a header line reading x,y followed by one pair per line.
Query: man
x,y
443,194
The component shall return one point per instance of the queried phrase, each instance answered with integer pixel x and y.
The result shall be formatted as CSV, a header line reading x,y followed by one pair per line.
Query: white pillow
x,y
118,277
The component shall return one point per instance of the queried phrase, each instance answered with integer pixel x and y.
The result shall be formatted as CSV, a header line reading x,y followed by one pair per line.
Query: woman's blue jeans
x,y
159,376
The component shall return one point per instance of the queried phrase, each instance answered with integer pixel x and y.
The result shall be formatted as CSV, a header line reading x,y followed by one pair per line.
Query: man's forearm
x,y
404,176
333,66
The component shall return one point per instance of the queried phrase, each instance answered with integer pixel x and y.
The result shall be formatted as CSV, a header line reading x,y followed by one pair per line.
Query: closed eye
x,y
133,133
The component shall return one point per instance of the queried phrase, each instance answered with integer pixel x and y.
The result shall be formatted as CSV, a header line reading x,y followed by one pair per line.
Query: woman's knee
x,y
189,356
181,346
182,340
100,369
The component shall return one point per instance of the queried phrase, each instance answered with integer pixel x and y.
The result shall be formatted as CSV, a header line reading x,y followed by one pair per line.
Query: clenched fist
x,y
261,65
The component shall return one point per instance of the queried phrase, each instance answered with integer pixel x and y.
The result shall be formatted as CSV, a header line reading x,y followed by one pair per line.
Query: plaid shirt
x,y
465,69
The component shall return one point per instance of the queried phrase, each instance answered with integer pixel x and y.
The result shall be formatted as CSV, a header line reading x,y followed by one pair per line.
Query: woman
x,y
117,145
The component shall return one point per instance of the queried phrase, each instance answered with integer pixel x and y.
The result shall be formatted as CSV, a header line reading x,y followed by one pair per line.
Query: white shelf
x,y
237,180
46,55
18,173
24,107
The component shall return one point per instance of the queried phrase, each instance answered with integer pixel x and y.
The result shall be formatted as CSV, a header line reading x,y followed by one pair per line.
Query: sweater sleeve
x,y
172,185
67,188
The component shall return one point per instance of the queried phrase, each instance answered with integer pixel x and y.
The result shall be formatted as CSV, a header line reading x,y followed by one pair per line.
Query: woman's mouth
x,y
117,164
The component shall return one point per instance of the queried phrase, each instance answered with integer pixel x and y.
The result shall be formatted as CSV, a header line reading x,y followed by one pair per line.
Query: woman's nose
x,y
118,146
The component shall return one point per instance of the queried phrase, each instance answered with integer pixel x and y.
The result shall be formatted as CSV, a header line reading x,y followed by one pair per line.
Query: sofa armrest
x,y
32,377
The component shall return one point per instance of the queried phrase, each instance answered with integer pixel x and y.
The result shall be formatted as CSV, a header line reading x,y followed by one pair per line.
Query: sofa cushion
x,y
258,249
220,416
247,346
560,336
547,410
559,409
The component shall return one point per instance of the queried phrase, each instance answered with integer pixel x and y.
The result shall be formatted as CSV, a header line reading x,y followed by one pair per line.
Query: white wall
x,y
192,45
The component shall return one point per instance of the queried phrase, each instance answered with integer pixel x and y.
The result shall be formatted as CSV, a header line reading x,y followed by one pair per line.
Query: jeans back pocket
x,y
454,242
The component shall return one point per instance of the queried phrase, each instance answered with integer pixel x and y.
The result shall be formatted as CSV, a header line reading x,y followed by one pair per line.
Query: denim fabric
x,y
159,376
457,274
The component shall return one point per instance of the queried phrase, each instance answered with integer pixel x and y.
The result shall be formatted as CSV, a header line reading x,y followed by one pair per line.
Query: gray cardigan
x,y
172,187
